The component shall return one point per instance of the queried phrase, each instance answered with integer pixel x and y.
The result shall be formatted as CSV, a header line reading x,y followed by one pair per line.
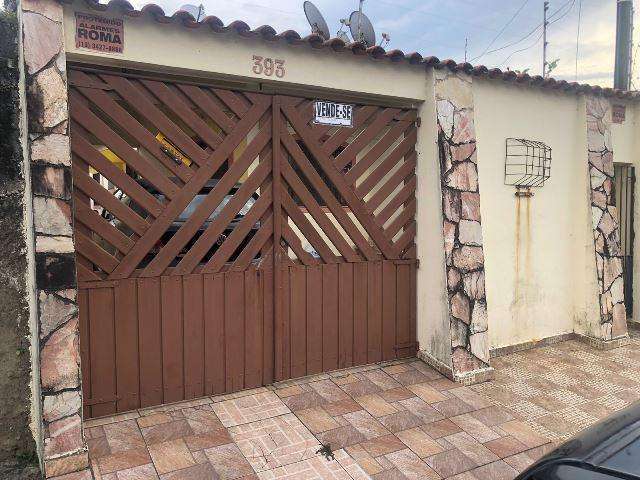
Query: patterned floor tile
x,y
275,442
123,460
203,471
316,468
228,462
355,471
495,471
389,421
249,408
341,437
143,472
317,419
419,442
450,462
171,455
411,466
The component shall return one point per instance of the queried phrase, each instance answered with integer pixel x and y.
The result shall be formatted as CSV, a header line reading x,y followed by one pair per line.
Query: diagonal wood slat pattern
x,y
176,179
356,184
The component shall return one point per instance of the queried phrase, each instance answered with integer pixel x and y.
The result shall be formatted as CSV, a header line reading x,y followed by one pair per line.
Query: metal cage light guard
x,y
527,164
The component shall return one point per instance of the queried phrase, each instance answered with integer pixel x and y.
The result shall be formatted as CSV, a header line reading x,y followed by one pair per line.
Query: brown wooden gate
x,y
225,241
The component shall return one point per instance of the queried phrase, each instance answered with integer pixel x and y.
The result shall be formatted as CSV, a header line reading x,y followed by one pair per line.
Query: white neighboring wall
x,y
540,266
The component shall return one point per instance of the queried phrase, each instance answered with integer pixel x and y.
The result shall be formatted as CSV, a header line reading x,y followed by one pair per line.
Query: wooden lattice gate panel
x,y
348,265
224,241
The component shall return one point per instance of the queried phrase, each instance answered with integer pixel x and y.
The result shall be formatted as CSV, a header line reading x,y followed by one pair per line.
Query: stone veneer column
x,y
65,449
613,319
462,227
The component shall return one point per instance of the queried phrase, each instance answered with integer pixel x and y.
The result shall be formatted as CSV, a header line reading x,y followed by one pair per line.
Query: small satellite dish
x,y
316,20
196,11
362,29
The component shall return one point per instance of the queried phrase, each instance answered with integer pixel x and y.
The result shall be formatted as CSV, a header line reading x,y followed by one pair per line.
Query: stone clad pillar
x,y
64,447
612,330
462,227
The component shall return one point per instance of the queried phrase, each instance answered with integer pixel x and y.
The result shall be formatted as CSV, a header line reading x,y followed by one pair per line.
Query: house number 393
x,y
268,66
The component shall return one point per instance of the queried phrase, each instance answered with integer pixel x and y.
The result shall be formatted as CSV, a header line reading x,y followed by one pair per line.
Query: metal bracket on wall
x,y
524,192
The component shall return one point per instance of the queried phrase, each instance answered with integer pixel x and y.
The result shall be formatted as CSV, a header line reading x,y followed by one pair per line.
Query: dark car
x,y
186,214
610,449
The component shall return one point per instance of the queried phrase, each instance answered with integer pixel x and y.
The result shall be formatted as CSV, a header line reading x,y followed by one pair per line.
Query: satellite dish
x,y
196,11
316,20
362,29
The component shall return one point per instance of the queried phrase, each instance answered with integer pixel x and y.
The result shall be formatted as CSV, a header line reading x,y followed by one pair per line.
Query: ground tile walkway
x,y
399,420
561,389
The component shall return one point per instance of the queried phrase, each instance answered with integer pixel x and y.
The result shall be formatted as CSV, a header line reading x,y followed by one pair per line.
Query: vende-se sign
x,y
99,33
332,113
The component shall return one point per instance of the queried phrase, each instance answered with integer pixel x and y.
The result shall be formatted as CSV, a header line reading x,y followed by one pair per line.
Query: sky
x,y
440,28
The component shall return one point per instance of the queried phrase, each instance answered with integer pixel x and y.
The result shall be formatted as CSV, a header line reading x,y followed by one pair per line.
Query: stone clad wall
x,y
462,226
50,163
606,231
18,450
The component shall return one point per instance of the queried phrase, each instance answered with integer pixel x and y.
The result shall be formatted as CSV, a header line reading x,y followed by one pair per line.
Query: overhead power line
x,y
501,30
573,2
535,29
521,50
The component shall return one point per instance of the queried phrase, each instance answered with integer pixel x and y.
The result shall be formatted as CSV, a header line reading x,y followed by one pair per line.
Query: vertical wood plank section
x,y
298,321
253,329
276,125
345,306
403,310
330,317
266,285
314,319
374,306
126,334
234,318
388,311
172,339
103,350
85,348
193,336
413,305
214,354
150,341
285,314
360,313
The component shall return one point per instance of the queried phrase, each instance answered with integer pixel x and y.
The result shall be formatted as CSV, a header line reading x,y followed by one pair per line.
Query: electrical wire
x,y
501,31
564,14
521,50
532,31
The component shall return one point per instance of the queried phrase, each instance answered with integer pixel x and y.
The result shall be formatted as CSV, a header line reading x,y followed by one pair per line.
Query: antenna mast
x,y
544,40
359,39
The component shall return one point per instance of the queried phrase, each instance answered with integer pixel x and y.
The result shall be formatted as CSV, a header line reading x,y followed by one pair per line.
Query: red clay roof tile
x,y
266,32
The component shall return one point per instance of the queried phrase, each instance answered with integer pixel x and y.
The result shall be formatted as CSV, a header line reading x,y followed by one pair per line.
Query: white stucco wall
x,y
540,266
433,312
172,48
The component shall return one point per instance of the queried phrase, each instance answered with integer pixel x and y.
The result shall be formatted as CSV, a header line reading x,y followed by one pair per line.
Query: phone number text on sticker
x,y
96,32
331,113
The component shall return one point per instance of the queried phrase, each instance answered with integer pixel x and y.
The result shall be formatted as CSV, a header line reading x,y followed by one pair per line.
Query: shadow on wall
x,y
18,457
